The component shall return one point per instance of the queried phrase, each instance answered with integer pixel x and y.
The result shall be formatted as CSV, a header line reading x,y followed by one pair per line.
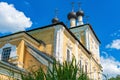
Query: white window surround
x,y
13,52
86,67
69,54
80,64
95,76
69,43
81,60
94,73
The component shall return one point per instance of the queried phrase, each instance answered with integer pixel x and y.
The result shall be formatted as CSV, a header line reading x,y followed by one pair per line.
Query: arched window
x,y
7,51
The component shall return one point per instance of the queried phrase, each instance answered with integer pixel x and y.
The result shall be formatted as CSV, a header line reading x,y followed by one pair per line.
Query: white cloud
x,y
116,33
27,3
111,67
115,44
104,53
12,20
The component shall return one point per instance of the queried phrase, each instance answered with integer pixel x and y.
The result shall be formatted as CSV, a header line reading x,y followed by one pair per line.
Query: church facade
x,y
24,50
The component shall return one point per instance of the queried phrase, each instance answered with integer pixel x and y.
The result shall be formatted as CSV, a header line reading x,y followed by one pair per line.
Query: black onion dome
x,y
80,13
72,15
55,20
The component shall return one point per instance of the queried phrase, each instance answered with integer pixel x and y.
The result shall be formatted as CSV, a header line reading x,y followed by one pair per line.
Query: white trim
x,y
70,54
76,51
87,39
69,45
10,73
58,43
91,32
38,57
7,69
95,74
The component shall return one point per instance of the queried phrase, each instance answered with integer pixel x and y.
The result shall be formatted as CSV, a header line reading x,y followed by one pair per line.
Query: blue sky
x,y
104,16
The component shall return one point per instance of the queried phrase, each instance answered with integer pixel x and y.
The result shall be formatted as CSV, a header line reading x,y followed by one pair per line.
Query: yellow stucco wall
x,y
27,61
94,48
82,38
70,41
82,54
47,36
30,63
92,67
19,42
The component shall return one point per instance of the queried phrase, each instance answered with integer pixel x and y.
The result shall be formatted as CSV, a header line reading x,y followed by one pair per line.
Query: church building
x,y
21,51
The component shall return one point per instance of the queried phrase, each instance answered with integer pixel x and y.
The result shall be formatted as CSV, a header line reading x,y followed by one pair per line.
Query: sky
x,y
104,16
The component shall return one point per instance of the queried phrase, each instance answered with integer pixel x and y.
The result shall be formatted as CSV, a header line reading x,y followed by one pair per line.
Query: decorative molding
x,y
38,57
7,72
8,69
87,39
68,44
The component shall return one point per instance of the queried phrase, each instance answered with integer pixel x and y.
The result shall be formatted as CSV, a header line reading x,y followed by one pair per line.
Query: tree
x,y
115,78
64,71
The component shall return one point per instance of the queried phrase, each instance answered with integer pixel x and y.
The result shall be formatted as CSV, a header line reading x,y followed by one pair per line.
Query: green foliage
x,y
116,78
64,71
38,75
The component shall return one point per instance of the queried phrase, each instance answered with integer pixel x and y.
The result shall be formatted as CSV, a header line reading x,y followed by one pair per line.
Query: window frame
x,y
6,54
70,55
13,52
86,68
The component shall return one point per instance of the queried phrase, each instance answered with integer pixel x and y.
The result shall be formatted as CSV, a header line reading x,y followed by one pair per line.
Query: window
x,y
86,68
80,64
95,76
83,68
6,53
68,55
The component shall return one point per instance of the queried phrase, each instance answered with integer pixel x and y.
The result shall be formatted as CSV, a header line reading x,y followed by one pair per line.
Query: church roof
x,y
38,41
60,23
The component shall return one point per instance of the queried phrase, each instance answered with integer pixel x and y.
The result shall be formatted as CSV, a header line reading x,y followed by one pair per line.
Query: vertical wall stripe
x,y
76,52
58,43
87,38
